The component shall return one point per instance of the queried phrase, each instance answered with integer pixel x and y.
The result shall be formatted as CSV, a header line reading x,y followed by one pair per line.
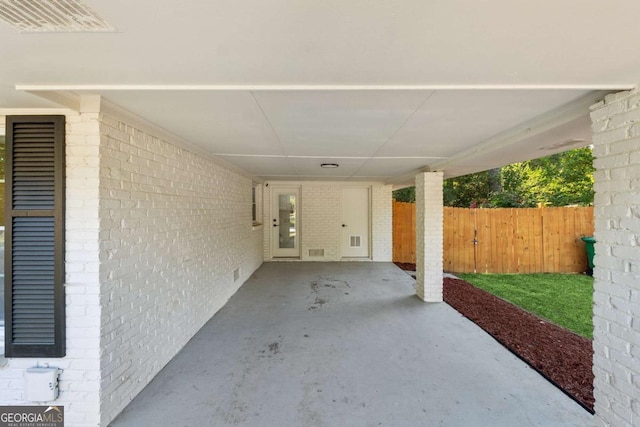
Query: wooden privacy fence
x,y
527,240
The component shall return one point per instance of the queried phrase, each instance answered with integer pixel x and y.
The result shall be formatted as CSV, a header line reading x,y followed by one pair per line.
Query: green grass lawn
x,y
563,299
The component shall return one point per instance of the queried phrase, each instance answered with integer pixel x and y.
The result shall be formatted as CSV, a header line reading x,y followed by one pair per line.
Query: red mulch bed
x,y
561,356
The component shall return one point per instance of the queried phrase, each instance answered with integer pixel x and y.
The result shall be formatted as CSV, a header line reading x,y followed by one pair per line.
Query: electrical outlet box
x,y
41,384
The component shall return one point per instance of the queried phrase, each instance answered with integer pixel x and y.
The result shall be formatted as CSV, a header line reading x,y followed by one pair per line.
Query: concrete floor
x,y
345,344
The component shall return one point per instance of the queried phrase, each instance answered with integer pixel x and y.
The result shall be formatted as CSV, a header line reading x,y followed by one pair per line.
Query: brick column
x,y
429,235
616,310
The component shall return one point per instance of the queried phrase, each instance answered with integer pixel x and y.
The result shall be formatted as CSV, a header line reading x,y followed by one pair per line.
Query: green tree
x,y
558,180
407,194
468,190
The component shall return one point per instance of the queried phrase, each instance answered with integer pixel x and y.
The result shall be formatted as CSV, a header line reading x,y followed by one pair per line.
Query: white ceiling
x,y
382,88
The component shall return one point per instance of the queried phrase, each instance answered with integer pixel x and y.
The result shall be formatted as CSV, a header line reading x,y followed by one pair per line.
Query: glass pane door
x,y
285,223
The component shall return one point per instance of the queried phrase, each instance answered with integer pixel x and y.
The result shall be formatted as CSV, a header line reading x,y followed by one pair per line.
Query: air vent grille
x,y
355,241
52,16
316,252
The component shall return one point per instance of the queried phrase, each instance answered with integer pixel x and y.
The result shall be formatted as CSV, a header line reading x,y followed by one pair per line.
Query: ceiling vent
x,y
52,16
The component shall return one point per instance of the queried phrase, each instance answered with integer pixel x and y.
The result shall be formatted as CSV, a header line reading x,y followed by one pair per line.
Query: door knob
x,y
344,225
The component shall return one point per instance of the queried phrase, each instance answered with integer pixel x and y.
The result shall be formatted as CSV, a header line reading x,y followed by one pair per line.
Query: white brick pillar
x,y
616,310
429,235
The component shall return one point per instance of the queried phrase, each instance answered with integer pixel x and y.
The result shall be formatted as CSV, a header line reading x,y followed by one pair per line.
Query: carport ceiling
x,y
382,88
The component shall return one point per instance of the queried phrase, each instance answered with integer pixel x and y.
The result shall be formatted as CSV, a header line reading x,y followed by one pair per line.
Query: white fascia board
x,y
315,87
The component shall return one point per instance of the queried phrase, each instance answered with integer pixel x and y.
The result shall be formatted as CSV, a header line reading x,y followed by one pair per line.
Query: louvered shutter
x,y
34,237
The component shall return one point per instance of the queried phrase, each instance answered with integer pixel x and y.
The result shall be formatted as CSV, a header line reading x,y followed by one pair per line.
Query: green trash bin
x,y
589,243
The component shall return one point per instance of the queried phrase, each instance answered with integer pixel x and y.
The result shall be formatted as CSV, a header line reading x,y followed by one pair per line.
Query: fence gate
x,y
518,240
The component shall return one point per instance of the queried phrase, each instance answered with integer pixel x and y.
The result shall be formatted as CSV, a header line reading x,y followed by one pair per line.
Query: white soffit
x,y
263,166
374,132
392,167
52,16
221,122
451,120
338,122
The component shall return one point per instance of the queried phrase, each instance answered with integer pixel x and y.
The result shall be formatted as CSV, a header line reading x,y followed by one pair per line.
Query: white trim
x,y
35,112
300,183
283,156
319,87
68,99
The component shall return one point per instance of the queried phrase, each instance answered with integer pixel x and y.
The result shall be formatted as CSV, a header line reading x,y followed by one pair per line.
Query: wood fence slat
x,y
483,250
509,222
497,247
509,240
522,255
494,260
404,246
548,243
460,247
536,240
448,236
568,259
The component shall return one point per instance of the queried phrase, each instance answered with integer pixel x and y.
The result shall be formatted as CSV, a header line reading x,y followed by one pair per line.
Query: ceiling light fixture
x,y
329,165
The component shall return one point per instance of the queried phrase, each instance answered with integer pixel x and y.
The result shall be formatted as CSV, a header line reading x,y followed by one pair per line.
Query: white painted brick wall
x,y
173,227
153,236
616,139
266,222
429,236
80,380
320,219
382,222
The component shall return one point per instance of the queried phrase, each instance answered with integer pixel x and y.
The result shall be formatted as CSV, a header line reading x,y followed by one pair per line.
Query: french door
x,y
285,225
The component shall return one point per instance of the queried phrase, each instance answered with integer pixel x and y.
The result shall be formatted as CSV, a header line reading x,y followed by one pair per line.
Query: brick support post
x,y
429,236
616,310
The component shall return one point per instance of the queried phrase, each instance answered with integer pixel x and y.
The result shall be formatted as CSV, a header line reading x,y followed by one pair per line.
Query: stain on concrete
x,y
271,349
314,286
308,413
326,290
234,411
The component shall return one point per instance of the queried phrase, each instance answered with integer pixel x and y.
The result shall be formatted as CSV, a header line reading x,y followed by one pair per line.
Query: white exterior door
x,y
355,222
285,237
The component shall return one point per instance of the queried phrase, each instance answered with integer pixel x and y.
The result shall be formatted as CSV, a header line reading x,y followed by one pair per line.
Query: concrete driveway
x,y
345,344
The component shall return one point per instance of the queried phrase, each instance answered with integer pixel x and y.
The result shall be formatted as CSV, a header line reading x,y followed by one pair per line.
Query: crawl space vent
x,y
52,16
316,252
355,241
